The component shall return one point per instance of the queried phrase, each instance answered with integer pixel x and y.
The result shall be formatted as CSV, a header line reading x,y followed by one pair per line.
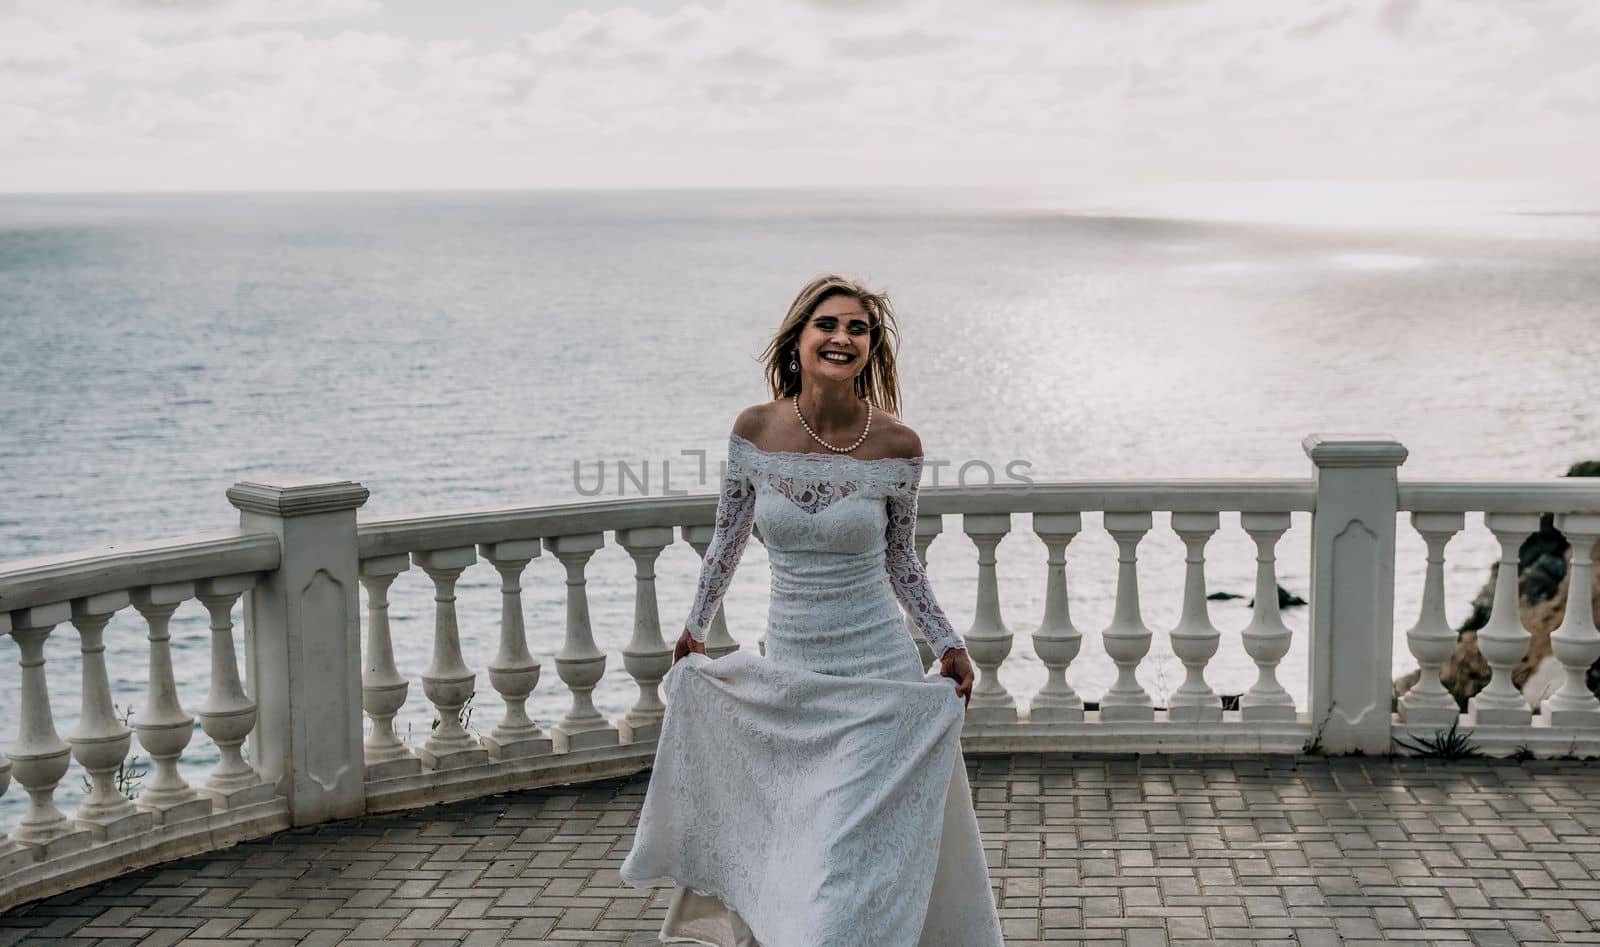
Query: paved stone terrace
x,y
1082,850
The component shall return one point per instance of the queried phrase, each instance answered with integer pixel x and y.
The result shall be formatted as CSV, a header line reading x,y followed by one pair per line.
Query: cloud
x,y
1398,15
897,44
1576,92
797,91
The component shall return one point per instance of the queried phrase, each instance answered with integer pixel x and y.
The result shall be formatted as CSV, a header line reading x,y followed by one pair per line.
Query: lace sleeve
x,y
907,576
736,513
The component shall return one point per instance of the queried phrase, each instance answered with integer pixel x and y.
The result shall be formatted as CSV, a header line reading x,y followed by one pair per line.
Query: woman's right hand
x,y
686,643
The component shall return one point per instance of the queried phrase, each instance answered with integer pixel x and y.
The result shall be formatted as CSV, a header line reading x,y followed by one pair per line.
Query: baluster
x,y
1576,643
1503,640
1431,639
39,756
383,688
929,526
1195,639
1127,640
646,657
514,672
1266,638
448,682
229,714
101,741
164,728
1057,641
718,641
988,641
13,855
580,665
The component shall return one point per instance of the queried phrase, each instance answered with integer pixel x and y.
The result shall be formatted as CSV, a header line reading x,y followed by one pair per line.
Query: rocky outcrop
x,y
1286,598
1542,575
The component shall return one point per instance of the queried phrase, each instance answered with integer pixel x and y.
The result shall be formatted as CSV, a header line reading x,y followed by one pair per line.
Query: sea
x,y
470,349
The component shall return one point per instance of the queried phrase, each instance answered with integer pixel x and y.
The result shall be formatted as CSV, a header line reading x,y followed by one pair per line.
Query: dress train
x,y
694,918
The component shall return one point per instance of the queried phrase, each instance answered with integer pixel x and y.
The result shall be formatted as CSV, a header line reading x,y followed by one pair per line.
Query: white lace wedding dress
x,y
817,796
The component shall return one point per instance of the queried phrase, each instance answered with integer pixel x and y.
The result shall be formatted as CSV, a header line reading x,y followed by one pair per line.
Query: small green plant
x,y
1572,755
1523,753
1313,745
1449,744
465,718
130,772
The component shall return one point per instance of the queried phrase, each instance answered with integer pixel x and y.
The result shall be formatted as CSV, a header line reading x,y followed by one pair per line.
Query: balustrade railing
x,y
309,733
48,848
1503,718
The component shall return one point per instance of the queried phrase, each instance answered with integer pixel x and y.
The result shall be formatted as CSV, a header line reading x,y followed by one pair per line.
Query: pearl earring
x,y
794,366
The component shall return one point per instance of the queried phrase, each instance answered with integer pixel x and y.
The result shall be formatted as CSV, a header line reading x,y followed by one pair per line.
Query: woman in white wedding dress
x,y
817,796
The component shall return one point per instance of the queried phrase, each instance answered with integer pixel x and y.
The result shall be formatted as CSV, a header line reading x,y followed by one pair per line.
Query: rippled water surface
x,y
455,351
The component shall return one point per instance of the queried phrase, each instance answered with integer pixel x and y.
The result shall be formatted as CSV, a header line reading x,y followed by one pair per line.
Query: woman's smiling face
x,y
837,339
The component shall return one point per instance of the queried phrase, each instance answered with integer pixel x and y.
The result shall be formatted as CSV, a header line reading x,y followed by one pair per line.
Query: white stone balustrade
x,y
165,729
299,557
101,742
1431,640
988,640
229,714
514,672
13,855
383,689
1501,718
7,846
1352,591
304,644
110,832
1266,638
647,657
448,682
1195,640
1127,640
1576,643
1503,640
580,664
1057,641
39,755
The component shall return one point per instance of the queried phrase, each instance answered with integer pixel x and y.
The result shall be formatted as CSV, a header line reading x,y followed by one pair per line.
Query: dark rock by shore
x,y
1286,598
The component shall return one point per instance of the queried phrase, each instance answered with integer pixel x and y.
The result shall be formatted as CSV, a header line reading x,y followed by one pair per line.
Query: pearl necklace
x,y
837,450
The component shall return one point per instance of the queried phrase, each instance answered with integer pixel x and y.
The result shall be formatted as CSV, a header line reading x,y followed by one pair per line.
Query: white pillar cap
x,y
1354,450
296,496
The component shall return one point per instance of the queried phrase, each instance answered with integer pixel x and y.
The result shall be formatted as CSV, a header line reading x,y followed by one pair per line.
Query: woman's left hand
x,y
958,667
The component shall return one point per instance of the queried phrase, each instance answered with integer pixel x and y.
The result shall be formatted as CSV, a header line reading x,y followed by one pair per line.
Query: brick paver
x,y
1082,850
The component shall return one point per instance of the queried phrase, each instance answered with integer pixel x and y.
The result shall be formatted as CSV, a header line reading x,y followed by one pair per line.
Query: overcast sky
x,y
1057,94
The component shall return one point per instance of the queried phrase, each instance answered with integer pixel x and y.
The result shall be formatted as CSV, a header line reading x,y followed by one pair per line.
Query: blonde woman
x,y
817,796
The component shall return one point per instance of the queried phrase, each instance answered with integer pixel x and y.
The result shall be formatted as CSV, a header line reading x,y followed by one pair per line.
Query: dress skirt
x,y
794,808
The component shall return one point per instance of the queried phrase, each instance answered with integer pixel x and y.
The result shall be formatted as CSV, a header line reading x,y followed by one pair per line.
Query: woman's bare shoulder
x,y
753,421
899,440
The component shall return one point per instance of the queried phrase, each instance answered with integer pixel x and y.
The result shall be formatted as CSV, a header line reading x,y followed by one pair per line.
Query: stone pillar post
x,y
303,645
1352,589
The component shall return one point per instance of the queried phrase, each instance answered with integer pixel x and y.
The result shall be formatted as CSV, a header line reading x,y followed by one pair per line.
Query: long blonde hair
x,y
878,383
